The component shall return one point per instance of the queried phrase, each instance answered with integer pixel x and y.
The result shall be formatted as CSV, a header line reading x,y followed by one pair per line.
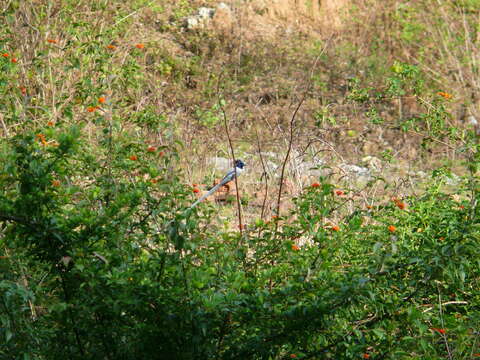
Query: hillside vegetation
x,y
353,234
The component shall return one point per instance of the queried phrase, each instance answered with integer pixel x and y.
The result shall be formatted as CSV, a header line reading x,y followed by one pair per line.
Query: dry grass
x,y
255,57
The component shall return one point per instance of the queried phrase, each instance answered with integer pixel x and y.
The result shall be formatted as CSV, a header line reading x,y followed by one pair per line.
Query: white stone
x,y
206,13
220,163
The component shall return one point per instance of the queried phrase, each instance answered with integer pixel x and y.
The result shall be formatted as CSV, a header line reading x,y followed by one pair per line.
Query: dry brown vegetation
x,y
258,56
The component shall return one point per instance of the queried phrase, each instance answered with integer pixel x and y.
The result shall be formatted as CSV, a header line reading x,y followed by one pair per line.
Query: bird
x,y
236,171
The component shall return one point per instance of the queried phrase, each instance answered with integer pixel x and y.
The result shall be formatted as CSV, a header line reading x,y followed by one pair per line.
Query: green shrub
x,y
118,268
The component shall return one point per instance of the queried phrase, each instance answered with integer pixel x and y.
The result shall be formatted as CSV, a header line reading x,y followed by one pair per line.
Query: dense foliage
x,y
101,256
101,260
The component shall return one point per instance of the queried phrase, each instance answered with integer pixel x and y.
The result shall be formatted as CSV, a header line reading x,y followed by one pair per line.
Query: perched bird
x,y
239,165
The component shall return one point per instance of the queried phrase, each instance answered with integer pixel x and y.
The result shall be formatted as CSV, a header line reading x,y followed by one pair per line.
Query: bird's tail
x,y
210,192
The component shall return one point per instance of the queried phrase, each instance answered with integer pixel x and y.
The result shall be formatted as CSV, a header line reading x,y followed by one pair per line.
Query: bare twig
x,y
265,175
449,353
225,122
292,129
133,13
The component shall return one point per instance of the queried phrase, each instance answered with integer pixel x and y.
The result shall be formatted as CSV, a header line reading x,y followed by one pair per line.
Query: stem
x,y
72,318
265,175
292,130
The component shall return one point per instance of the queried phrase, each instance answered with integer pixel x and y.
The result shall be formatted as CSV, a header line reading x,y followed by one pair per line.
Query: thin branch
x,y
292,129
225,122
265,174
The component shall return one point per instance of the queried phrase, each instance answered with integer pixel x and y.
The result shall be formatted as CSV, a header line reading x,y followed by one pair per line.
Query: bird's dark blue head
x,y
239,164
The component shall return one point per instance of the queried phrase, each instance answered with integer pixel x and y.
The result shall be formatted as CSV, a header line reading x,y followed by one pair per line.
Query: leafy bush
x,y
118,268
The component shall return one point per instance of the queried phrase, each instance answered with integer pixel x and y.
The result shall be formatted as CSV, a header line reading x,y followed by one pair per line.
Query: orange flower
x,y
42,139
101,100
139,46
196,190
392,228
315,185
52,41
441,331
151,149
401,205
5,55
56,183
336,228
50,123
445,95
14,60
91,108
366,356
339,192
133,157
295,247
111,47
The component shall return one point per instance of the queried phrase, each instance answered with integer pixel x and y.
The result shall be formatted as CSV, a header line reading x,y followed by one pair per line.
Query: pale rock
x,y
358,172
220,164
206,13
372,163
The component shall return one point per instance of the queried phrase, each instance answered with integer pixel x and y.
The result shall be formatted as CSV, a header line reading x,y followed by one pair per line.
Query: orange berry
x,y
153,181
293,356
111,47
369,207
151,149
366,356
133,157
5,55
139,46
23,90
14,60
52,41
196,190
315,185
91,108
336,228
441,331
56,183
101,100
161,153
295,247
392,228
50,123
339,192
